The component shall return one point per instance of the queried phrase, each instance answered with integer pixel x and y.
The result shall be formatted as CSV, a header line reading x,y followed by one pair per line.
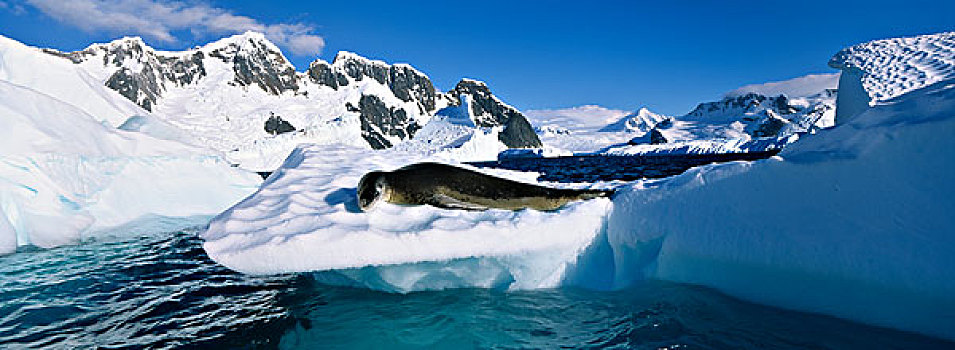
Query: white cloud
x,y
159,19
581,116
17,9
796,87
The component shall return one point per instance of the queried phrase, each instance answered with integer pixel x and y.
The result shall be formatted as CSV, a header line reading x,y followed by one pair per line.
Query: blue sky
x,y
666,55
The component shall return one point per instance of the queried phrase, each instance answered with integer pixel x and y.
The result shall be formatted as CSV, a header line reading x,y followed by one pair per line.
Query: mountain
x,y
750,118
224,94
640,122
770,116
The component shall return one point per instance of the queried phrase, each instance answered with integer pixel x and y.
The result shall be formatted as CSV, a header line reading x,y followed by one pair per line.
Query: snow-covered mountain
x,y
750,118
225,92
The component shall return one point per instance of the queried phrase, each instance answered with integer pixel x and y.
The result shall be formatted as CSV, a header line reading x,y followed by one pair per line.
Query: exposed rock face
x,y
489,111
321,73
380,124
652,137
275,125
410,85
405,82
257,62
770,116
139,73
770,126
143,75
748,103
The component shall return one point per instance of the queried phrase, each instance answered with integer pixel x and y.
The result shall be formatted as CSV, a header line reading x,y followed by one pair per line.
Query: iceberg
x,y
306,218
853,221
65,177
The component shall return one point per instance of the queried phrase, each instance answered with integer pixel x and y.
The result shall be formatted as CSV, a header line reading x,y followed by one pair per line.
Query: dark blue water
x,y
592,168
163,292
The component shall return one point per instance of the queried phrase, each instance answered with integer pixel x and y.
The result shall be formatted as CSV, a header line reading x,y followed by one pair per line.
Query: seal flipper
x,y
444,201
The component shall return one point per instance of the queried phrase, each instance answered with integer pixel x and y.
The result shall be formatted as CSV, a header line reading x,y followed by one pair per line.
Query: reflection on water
x,y
163,292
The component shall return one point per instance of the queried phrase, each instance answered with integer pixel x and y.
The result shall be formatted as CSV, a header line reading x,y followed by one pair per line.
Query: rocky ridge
x,y
144,76
770,116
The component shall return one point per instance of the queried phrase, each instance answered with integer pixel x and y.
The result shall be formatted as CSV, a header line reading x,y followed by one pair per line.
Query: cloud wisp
x,y
159,19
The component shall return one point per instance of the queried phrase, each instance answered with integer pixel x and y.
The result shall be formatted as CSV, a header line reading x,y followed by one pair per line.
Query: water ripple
x,y
163,292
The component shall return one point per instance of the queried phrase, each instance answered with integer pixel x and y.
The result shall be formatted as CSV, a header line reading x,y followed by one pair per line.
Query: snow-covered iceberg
x,y
306,218
64,176
853,221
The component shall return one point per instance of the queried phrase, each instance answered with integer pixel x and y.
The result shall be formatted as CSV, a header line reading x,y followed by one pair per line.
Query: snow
x,y
230,119
704,147
853,222
582,129
727,128
803,86
893,67
65,177
305,218
576,118
56,76
640,122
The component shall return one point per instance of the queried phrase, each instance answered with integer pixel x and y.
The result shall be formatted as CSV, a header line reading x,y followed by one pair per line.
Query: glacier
x,y
852,221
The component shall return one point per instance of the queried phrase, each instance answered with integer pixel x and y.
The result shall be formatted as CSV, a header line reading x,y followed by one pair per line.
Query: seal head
x,y
372,188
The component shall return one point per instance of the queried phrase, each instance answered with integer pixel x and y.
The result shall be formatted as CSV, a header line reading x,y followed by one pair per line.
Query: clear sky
x,y
666,55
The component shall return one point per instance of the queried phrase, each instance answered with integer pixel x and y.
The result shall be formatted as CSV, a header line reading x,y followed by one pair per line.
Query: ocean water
x,y
162,291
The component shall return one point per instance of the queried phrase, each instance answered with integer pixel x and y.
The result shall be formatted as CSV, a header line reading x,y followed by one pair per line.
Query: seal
x,y
451,187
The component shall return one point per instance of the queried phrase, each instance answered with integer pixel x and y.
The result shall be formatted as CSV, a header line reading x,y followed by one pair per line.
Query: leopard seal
x,y
451,187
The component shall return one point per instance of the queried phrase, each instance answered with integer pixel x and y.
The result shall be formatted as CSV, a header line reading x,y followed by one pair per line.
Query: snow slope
x,y
879,71
590,128
27,66
64,176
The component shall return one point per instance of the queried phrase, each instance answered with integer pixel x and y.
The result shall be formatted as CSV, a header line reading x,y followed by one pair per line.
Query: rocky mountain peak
x,y
489,111
408,100
136,71
770,116
256,61
640,122
405,82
